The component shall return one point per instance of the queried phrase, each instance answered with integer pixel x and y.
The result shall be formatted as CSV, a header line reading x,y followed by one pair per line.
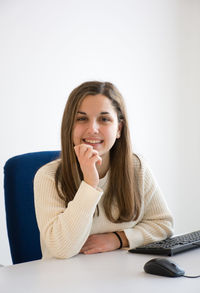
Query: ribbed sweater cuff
x,y
135,237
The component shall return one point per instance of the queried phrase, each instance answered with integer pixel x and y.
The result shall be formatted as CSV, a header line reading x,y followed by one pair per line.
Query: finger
x,y
92,251
89,243
89,248
96,159
89,153
77,150
99,162
86,248
83,145
85,148
80,149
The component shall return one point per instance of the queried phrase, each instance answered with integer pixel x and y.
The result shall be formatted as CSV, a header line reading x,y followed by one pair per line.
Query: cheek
x,y
111,134
76,134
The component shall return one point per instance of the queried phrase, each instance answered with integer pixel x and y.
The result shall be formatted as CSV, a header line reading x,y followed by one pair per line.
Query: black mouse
x,y
163,267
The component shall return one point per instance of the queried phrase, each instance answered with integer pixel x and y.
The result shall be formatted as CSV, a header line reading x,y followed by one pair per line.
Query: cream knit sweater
x,y
63,231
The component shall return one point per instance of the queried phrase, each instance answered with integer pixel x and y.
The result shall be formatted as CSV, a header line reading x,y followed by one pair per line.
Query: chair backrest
x,y
23,233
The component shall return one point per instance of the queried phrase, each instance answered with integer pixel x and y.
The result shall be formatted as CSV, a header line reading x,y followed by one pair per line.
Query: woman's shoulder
x,y
140,163
48,169
143,171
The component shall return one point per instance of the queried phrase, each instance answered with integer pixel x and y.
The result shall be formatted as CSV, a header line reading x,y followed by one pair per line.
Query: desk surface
x,y
118,271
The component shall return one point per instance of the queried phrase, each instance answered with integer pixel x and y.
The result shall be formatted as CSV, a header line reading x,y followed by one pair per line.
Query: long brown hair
x,y
122,189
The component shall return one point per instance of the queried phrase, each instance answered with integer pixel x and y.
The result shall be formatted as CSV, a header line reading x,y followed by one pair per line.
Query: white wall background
x,y
148,48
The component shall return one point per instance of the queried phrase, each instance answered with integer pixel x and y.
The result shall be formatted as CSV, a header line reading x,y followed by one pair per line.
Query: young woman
x,y
98,196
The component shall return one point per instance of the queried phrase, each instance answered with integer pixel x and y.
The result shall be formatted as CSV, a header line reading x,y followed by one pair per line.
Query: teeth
x,y
92,141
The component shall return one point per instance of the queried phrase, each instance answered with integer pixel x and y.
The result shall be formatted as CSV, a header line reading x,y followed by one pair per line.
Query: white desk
x,y
111,272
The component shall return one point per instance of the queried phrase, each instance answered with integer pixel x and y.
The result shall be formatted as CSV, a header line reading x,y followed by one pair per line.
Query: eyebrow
x,y
102,113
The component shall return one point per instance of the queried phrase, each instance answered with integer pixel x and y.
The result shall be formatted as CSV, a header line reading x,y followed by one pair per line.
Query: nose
x,y
93,126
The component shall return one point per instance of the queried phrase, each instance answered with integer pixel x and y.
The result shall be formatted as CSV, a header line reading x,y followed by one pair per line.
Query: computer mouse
x,y
163,267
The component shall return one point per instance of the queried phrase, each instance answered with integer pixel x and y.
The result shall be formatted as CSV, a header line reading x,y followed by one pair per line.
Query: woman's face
x,y
96,124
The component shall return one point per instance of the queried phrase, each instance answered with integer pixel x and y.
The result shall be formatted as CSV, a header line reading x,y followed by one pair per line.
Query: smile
x,y
92,141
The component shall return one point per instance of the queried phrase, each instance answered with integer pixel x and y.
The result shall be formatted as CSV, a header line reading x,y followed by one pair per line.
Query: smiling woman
x,y
96,126
98,196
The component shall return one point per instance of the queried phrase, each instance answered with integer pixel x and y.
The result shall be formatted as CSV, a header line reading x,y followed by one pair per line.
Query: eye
x,y
83,118
105,119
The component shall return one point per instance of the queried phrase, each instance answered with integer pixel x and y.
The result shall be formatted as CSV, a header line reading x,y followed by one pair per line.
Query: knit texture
x,y
63,231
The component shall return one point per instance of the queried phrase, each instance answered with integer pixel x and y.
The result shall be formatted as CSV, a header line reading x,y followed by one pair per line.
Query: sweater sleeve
x,y
63,231
155,222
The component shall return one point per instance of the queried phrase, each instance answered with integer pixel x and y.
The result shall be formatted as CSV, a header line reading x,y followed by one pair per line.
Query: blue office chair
x,y
23,233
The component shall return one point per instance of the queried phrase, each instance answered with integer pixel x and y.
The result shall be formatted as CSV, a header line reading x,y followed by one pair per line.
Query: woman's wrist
x,y
122,236
120,240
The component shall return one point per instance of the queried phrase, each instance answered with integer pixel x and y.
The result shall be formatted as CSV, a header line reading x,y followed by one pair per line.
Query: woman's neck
x,y
103,168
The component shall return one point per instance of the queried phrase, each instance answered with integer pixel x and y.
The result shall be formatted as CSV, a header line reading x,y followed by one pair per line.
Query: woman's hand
x,y
88,158
100,243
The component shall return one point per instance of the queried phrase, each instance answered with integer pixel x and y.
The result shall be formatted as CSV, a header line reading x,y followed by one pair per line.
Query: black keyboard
x,y
171,246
